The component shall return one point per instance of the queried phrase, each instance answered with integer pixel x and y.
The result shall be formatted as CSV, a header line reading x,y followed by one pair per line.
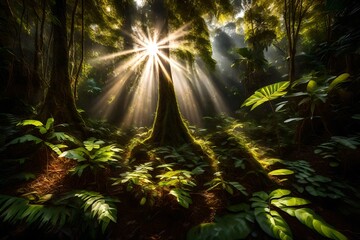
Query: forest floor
x,y
168,220
230,154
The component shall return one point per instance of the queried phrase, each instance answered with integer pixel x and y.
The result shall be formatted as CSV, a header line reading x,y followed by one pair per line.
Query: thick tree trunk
x,y
59,102
169,127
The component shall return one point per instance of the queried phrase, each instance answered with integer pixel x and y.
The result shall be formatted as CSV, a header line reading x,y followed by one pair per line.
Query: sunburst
x,y
148,56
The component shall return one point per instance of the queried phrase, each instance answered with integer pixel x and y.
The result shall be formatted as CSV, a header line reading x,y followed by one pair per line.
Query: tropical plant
x,y
40,133
229,186
267,93
94,206
183,155
179,182
310,97
57,213
317,91
45,136
254,61
307,180
92,155
330,149
263,210
140,182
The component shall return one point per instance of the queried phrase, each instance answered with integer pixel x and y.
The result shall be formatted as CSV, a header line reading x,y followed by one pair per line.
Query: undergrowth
x,y
166,176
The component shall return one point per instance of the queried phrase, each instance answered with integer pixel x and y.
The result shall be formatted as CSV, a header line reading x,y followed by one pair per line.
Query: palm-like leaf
x,y
58,213
267,93
102,208
15,210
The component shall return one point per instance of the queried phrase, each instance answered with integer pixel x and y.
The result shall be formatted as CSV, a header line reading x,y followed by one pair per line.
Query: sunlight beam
x,y
133,89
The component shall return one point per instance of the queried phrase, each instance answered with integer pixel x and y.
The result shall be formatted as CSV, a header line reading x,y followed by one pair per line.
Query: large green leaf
x,y
31,122
228,227
273,224
278,193
289,202
280,172
313,221
266,93
340,79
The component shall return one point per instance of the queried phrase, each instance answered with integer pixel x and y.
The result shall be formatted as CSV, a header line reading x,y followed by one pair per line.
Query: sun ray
x,y
136,76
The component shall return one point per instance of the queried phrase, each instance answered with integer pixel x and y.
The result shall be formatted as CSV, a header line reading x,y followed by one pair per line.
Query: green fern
x,y
92,156
180,182
182,155
43,134
57,213
15,210
176,178
140,182
229,186
182,196
101,208
266,94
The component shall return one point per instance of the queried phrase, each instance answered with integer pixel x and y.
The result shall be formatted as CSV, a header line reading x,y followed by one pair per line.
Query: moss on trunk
x,y
169,127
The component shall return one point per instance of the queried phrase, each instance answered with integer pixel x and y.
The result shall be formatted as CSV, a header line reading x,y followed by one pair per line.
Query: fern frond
x,y
61,136
266,93
102,208
15,210
25,138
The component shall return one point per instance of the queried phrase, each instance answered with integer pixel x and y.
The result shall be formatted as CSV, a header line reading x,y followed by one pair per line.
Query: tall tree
x,y
294,14
169,127
60,102
260,27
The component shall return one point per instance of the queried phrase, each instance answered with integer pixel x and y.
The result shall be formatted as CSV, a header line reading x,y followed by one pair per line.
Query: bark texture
x,y
59,102
169,127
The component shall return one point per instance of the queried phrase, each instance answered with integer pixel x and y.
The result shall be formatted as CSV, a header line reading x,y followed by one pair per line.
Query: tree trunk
x,y
169,127
59,102
291,63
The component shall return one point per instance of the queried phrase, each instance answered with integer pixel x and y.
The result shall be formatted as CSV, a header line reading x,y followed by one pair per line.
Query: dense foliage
x,y
255,133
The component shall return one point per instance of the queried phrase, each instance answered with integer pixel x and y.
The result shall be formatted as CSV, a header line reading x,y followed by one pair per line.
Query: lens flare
x,y
131,94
